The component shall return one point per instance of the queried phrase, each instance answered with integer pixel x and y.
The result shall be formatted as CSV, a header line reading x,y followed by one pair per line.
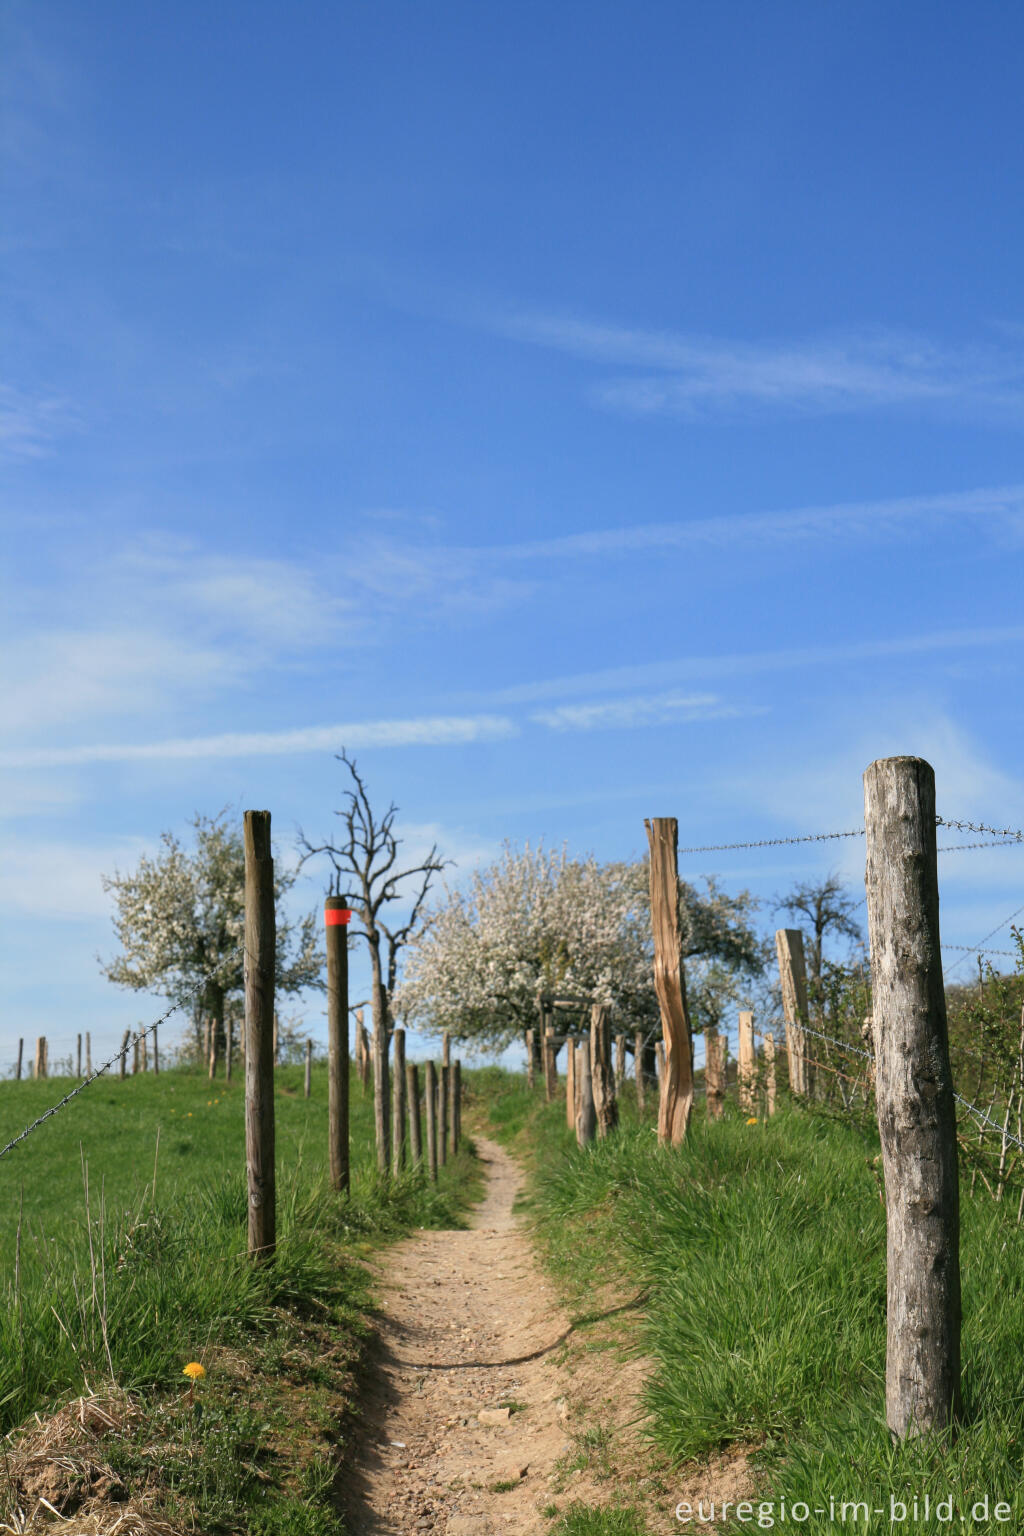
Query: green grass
x,y
149,1271
762,1252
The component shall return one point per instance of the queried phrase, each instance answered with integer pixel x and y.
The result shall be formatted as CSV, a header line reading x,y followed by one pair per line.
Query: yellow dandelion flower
x,y
752,1120
194,1371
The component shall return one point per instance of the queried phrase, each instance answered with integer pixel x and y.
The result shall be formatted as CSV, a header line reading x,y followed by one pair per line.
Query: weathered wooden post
x,y
789,945
586,1120
136,1056
124,1054
769,1073
21,1055
606,1107
570,1083
412,1093
145,1051
446,1049
337,917
229,1046
638,1068
430,1105
362,1052
442,1115
676,1099
914,1092
78,1057
550,1063
307,1085
156,1054
453,1105
260,946
531,1076
714,1072
747,1062
398,1100
620,1064
88,1051
659,1056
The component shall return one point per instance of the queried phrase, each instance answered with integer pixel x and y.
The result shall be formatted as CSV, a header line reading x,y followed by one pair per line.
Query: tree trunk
x,y
916,1109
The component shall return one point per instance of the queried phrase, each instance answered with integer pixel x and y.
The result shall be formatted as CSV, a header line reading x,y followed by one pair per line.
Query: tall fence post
x,y
714,1072
88,1051
586,1120
337,916
620,1064
676,1099
531,1076
442,1115
78,1057
136,1056
789,946
456,1104
550,1063
914,1094
412,1093
398,1100
606,1107
769,1073
260,944
638,1068
570,1083
229,1046
747,1061
362,1052
307,1085
21,1054
124,1053
430,1106
145,1051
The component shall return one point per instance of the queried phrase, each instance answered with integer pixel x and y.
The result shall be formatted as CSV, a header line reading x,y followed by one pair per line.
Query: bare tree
x,y
364,874
829,909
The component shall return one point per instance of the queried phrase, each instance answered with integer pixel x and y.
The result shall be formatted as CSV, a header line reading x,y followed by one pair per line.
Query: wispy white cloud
x,y
62,879
751,663
870,369
30,422
639,710
436,730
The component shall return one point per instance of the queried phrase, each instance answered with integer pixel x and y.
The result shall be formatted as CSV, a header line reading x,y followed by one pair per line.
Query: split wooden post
x,y
606,1105
586,1120
570,1083
638,1068
531,1076
714,1071
88,1051
21,1055
456,1104
156,1054
620,1063
307,1086
442,1115
769,1073
914,1093
260,946
453,1106
124,1053
337,917
430,1105
78,1057
789,946
676,1099
747,1069
412,1093
398,1100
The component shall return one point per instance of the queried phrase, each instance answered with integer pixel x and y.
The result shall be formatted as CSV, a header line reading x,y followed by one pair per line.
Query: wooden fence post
x,y
136,1056
446,1049
570,1083
337,916
620,1064
659,1056
21,1053
914,1093
747,1069
550,1064
78,1057
145,1051
275,1040
586,1120
606,1107
398,1100
412,1093
362,1052
638,1068
669,981
789,946
442,1115
260,945
229,1046
714,1072
769,1073
307,1085
456,1104
124,1053
88,1051
453,1105
430,1105
531,1076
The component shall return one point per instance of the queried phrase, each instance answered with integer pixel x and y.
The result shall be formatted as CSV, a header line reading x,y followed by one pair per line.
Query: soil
x,y
485,1411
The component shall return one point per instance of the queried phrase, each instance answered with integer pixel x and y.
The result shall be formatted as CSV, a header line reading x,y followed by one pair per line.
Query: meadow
x,y
122,1259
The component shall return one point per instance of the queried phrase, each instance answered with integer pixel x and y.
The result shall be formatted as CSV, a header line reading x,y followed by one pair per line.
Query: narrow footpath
x,y
466,1416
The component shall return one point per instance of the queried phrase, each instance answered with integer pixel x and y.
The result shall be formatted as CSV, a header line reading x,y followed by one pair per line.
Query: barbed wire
x,y
1011,834
1008,836
133,1039
977,948
775,842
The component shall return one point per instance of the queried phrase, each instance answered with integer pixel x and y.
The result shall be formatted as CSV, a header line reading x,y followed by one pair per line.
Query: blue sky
x,y
580,412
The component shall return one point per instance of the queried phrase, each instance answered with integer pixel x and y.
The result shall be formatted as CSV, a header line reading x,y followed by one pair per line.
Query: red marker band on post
x,y
334,917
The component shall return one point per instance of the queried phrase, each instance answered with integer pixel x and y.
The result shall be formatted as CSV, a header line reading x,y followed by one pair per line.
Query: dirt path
x,y
466,1418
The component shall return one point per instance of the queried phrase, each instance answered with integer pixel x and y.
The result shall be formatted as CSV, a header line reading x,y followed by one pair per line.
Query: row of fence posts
x,y
441,1106
914,1092
139,1048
